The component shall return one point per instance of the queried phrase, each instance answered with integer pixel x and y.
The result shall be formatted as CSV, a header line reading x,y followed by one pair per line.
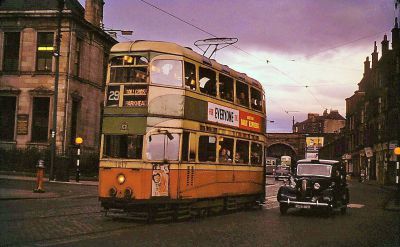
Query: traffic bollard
x,y
39,177
77,164
78,142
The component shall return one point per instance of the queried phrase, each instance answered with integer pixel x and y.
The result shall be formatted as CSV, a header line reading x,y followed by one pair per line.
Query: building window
x,y
74,120
7,117
77,60
40,119
11,51
45,49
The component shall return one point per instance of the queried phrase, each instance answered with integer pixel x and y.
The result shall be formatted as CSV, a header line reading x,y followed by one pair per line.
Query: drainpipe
x,y
65,140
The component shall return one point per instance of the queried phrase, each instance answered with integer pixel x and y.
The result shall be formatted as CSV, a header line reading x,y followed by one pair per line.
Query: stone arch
x,y
279,149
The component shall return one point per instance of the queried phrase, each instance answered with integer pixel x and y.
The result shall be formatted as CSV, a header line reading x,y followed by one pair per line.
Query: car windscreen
x,y
314,170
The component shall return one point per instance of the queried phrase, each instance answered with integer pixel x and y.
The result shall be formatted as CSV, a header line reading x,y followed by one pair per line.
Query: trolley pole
x,y
78,141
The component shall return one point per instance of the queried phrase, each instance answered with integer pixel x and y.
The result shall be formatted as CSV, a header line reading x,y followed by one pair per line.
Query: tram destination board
x,y
135,95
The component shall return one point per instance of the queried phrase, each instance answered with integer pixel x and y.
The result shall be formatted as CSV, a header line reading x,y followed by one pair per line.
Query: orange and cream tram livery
x,y
181,133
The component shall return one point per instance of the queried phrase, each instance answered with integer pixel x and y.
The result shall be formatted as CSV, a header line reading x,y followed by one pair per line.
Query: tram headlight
x,y
121,178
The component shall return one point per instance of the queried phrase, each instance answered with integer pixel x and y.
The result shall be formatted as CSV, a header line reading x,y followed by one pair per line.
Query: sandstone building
x,y
330,122
28,32
373,113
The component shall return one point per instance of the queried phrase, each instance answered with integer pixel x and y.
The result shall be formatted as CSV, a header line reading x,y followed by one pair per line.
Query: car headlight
x,y
121,178
317,186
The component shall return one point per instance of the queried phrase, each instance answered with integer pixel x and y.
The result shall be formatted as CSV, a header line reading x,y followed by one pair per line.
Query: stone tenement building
x,y
373,113
28,31
330,122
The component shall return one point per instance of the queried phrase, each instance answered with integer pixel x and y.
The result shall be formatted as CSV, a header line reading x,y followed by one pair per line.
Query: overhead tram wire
x,y
235,46
200,29
178,18
346,43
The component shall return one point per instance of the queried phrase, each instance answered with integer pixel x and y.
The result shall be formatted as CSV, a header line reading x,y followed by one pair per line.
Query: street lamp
x,y
113,32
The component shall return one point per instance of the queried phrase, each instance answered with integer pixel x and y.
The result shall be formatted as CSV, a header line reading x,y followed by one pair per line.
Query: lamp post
x,y
60,7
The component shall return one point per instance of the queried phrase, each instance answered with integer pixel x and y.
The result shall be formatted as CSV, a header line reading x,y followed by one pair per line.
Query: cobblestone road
x,y
73,217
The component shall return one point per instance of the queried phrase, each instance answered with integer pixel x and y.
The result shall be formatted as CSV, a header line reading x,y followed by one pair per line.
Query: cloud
x,y
319,44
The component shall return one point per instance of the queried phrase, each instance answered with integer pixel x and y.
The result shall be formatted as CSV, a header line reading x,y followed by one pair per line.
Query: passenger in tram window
x,y
229,96
255,158
224,155
190,76
242,98
238,158
192,81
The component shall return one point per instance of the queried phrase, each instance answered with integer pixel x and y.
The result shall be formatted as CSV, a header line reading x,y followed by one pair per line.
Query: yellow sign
x,y
397,151
314,143
78,140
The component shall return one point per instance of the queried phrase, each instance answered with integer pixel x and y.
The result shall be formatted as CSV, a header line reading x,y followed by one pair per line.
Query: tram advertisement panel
x,y
160,180
223,115
228,116
250,121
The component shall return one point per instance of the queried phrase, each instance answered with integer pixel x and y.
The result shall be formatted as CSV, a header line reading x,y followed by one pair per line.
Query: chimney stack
x,y
385,45
367,67
374,56
395,36
94,12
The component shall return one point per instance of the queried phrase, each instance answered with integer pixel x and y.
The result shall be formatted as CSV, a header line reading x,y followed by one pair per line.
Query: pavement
x,y
18,194
393,204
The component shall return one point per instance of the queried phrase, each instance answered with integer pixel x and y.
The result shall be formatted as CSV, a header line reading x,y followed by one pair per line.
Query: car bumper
x,y
314,204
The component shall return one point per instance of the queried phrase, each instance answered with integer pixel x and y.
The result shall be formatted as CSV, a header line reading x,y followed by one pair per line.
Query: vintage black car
x,y
315,184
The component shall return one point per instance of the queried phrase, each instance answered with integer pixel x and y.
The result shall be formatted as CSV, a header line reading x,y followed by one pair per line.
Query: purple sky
x,y
321,44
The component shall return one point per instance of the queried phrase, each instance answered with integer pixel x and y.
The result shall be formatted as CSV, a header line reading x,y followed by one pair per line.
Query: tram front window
x,y
167,72
163,147
123,146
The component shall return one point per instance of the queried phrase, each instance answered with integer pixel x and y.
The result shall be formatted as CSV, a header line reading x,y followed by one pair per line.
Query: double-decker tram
x,y
182,135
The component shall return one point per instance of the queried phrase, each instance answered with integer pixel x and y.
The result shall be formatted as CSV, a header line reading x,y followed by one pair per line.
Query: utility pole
x,y
56,54
287,112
